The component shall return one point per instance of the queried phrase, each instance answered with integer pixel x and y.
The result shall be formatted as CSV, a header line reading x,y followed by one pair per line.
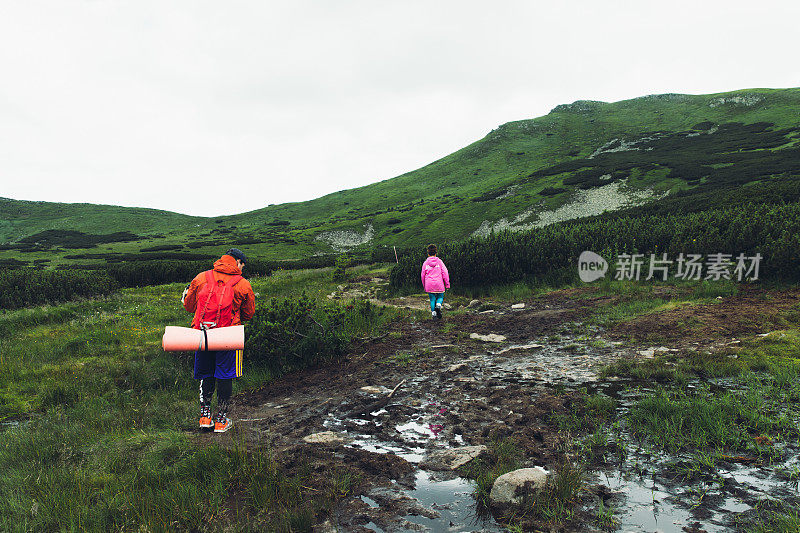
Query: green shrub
x,y
340,271
27,287
550,254
289,334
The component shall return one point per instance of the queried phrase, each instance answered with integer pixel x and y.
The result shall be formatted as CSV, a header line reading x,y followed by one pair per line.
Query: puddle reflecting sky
x,y
452,499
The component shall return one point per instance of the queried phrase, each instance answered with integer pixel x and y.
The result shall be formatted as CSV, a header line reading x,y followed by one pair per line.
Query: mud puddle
x,y
439,410
652,490
437,503
660,498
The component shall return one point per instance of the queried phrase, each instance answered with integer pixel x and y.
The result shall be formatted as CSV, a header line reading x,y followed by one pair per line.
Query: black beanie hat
x,y
237,254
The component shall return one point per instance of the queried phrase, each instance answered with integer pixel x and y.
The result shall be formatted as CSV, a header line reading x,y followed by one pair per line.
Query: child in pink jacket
x,y
435,280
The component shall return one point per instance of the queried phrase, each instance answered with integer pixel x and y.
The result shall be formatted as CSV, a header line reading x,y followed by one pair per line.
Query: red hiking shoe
x,y
205,417
222,426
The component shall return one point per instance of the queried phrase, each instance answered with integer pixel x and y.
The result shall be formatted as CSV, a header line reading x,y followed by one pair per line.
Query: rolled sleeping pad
x,y
178,339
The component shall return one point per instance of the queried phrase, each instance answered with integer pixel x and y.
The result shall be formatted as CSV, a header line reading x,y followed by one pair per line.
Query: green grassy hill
x,y
579,159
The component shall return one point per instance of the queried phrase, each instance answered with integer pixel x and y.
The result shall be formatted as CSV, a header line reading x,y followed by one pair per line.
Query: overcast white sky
x,y
168,103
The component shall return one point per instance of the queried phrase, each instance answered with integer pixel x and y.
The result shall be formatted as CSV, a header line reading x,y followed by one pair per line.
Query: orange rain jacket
x,y
244,300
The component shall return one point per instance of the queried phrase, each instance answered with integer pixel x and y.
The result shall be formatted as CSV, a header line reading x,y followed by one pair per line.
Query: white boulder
x,y
508,488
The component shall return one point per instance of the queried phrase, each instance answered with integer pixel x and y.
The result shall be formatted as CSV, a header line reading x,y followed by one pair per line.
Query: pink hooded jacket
x,y
434,275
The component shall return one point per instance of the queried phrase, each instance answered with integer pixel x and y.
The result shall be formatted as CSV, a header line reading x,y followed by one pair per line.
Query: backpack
x,y
215,303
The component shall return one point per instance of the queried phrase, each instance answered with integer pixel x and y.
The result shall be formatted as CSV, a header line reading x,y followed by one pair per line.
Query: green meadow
x,y
99,424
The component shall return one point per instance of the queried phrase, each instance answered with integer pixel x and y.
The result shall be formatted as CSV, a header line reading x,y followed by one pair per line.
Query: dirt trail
x,y
455,391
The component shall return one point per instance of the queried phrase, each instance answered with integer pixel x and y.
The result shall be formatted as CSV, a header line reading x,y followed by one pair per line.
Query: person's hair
x,y
431,249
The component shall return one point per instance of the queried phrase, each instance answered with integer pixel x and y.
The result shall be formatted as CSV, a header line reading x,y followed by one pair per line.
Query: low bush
x,y
289,334
76,239
28,287
549,255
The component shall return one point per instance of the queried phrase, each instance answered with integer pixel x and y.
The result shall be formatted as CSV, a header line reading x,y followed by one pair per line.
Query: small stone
x,y
452,458
371,389
324,437
326,527
521,348
486,312
457,367
506,488
661,349
474,303
447,306
648,354
518,306
466,380
491,337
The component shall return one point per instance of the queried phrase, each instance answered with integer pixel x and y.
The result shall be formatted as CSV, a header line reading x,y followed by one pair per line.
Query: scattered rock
x,y
457,367
486,312
452,458
447,306
371,389
507,488
324,437
518,306
648,353
402,505
520,348
438,346
474,303
326,527
491,337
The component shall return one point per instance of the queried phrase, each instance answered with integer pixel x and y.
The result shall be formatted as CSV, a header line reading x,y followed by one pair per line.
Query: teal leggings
x,y
436,299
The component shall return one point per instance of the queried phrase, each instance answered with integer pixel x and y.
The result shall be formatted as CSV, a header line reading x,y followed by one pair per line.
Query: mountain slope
x,y
575,161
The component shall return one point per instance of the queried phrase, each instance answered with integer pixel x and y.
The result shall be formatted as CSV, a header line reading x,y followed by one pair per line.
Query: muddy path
x,y
396,405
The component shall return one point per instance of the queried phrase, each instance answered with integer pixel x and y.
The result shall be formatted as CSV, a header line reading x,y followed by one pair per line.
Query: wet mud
x,y
449,391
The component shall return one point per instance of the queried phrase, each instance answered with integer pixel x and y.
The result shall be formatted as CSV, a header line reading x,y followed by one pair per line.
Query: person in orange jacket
x,y
217,369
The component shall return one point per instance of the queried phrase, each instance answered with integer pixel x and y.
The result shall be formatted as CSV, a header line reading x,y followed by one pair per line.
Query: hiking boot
x,y
434,315
223,425
438,311
205,417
